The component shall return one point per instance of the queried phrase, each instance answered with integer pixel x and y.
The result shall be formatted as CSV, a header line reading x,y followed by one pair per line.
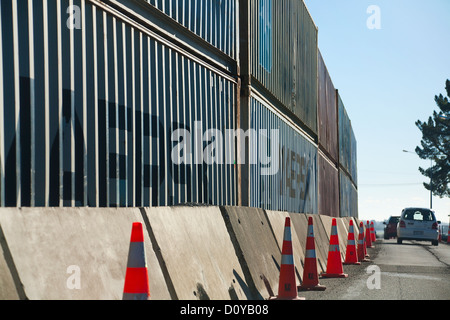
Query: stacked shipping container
x,y
88,114
293,185
100,100
328,189
213,21
337,144
347,163
278,56
282,55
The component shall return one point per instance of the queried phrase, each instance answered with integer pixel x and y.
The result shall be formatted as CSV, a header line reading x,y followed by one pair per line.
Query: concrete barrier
x,y
7,286
255,238
199,259
72,253
193,252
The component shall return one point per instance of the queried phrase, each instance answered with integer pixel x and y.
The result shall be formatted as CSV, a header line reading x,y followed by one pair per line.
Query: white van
x,y
418,224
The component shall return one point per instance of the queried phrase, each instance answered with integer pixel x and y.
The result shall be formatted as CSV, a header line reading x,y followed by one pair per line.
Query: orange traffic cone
x,y
334,262
287,288
448,235
362,244
372,232
365,242
351,257
136,278
368,236
310,274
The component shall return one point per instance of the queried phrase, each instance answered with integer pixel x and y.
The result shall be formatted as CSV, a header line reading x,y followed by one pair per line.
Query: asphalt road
x,y
410,271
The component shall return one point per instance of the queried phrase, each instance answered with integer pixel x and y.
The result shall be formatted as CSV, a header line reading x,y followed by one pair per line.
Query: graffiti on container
x,y
292,182
295,172
293,187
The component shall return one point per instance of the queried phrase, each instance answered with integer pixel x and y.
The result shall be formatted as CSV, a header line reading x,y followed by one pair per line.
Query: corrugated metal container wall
x,y
347,142
328,187
327,113
283,55
87,114
354,157
214,21
348,196
293,187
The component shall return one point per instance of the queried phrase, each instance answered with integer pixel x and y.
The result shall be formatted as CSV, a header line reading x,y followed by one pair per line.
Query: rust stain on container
x,y
328,187
327,112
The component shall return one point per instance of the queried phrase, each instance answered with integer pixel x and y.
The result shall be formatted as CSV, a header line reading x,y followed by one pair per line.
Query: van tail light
x,y
402,224
435,226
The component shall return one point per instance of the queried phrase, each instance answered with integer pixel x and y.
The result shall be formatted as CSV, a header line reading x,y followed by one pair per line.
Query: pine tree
x,y
436,146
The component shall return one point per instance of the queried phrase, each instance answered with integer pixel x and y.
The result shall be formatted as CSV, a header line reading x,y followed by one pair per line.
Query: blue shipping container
x,y
87,114
347,143
293,185
213,21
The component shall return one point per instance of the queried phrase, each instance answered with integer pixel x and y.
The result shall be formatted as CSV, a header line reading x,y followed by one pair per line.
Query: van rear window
x,y
418,215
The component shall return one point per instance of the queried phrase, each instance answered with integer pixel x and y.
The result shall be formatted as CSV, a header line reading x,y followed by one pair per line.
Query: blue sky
x,y
387,79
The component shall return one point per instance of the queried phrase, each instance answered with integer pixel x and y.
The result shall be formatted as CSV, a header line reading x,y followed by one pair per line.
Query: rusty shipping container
x,y
279,56
328,187
327,113
87,114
